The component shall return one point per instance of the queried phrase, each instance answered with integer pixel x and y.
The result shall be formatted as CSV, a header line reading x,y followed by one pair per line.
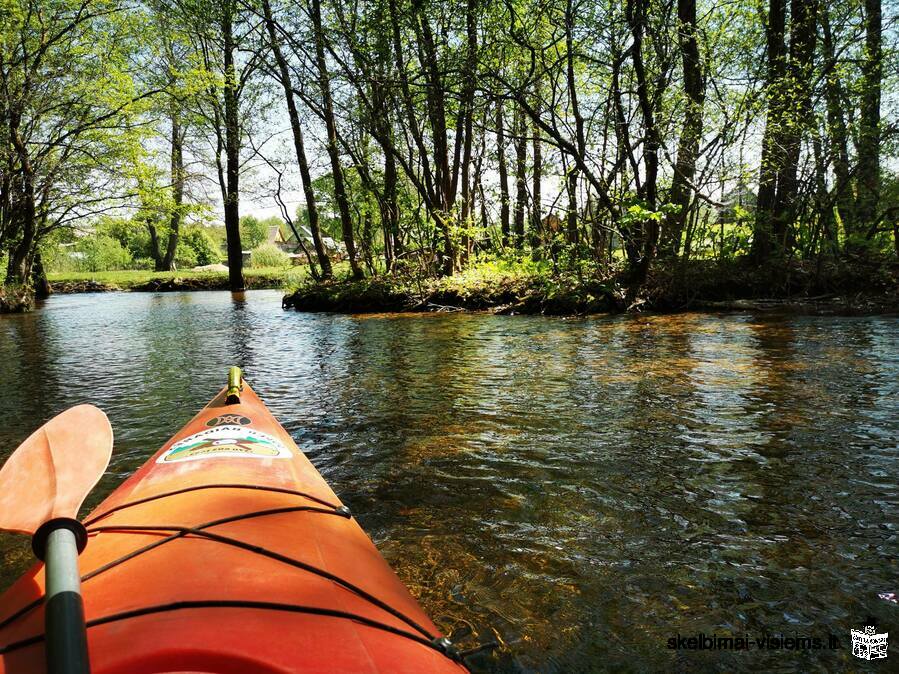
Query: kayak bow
x,y
228,552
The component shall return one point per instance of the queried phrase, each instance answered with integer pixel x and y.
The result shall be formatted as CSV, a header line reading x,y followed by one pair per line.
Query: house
x,y
286,240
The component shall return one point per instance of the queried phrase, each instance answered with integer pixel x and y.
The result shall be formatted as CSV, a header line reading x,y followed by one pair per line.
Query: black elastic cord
x,y
256,487
227,603
150,546
264,552
437,643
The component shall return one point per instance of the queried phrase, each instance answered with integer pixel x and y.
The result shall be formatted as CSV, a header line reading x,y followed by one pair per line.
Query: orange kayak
x,y
228,552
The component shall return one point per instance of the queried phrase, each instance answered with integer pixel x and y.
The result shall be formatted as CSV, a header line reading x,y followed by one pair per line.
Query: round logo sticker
x,y
225,441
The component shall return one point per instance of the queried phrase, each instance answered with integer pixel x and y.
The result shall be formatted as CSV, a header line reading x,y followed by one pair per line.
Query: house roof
x,y
275,235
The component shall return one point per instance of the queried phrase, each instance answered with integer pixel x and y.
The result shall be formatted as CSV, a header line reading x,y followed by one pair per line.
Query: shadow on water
x,y
579,490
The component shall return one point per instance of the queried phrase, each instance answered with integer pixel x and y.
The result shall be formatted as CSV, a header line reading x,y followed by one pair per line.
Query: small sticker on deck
x,y
229,420
225,441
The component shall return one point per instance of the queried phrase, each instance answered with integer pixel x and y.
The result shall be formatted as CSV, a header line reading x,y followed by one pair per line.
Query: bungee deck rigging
x,y
291,583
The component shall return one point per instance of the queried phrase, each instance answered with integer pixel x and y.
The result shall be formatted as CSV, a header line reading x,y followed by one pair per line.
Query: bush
x,y
204,247
185,257
253,232
102,253
144,263
268,255
131,233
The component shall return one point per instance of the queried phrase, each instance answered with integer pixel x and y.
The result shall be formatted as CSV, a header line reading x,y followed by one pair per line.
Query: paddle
x,y
42,485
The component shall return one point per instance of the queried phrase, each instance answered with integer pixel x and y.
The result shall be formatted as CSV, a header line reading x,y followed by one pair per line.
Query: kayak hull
x,y
228,552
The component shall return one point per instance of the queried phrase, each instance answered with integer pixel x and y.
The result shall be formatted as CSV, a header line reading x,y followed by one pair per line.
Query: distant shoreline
x,y
842,289
150,281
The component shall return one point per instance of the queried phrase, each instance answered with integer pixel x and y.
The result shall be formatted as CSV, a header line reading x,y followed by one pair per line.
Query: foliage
x,y
129,232
101,252
580,135
253,232
206,249
68,108
269,255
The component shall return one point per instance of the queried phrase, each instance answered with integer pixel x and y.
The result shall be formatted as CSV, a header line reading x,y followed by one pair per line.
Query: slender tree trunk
x,y
39,278
343,206
177,178
868,190
468,121
18,267
537,177
803,31
826,223
521,196
838,134
691,131
503,174
637,19
155,251
772,152
572,233
298,143
232,158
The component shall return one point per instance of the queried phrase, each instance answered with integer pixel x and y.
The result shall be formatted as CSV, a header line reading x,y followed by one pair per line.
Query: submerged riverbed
x,y
580,490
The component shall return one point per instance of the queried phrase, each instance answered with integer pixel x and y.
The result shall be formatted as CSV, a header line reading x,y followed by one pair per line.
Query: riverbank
x,y
151,281
826,288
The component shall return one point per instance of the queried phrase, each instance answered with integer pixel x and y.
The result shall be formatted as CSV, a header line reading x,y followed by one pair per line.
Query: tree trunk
x,y
868,189
18,266
177,177
838,134
572,233
232,158
691,132
637,19
503,174
537,177
772,152
803,25
343,206
521,196
155,251
298,143
826,225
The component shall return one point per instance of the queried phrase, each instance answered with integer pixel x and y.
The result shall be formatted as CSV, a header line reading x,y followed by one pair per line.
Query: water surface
x,y
580,490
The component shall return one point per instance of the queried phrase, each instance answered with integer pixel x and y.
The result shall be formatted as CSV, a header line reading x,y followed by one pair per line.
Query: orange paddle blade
x,y
52,472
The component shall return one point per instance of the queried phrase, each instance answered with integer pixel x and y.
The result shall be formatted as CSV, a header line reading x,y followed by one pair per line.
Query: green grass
x,y
129,278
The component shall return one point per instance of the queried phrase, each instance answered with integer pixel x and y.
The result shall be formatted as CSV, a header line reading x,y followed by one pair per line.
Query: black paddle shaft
x,y
66,634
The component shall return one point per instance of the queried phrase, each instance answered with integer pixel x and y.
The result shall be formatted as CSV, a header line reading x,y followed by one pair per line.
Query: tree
x,y
681,195
869,137
68,104
324,83
286,81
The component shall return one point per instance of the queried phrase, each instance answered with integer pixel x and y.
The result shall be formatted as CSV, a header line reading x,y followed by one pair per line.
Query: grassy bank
x,y
835,287
151,281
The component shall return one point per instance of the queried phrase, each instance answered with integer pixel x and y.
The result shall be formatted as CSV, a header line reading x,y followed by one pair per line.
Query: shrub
x,y
102,253
268,255
204,247
253,232
185,257
131,233
145,263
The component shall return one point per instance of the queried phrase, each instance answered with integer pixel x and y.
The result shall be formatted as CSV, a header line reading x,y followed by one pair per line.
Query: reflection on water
x,y
580,490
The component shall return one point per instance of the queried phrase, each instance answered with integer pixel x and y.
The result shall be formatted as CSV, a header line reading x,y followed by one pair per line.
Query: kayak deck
x,y
228,552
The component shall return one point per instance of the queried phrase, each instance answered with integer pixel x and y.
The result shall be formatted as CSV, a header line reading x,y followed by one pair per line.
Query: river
x,y
581,490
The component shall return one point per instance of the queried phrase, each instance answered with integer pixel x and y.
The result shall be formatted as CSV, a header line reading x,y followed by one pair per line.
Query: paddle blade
x,y
52,472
